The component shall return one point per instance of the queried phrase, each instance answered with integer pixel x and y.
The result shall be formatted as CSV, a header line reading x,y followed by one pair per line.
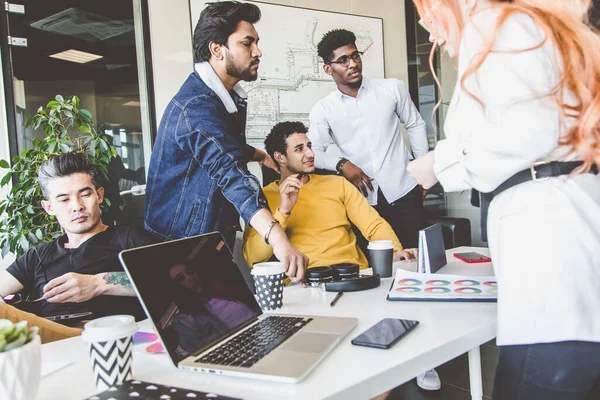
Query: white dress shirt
x,y
544,237
367,130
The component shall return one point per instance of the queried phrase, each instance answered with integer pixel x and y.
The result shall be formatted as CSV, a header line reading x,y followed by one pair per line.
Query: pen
x,y
336,298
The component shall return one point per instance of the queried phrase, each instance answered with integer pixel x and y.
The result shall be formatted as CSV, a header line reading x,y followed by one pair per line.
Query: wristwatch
x,y
340,164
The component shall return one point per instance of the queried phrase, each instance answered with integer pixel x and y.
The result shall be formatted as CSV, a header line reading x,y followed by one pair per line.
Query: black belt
x,y
539,171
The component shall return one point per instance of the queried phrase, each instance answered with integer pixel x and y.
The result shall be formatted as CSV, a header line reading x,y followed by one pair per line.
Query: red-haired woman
x,y
523,128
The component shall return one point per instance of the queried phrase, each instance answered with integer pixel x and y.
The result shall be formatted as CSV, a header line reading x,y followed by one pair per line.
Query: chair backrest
x,y
456,231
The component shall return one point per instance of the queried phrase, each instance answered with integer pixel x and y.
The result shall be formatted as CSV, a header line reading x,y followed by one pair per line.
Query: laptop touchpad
x,y
309,342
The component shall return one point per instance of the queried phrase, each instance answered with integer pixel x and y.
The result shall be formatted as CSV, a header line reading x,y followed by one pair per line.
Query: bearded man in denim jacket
x,y
198,180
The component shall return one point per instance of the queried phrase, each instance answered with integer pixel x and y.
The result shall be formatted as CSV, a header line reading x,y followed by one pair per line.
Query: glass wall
x,y
88,49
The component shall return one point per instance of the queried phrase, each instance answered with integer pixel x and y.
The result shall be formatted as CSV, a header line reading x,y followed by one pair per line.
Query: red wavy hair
x,y
565,24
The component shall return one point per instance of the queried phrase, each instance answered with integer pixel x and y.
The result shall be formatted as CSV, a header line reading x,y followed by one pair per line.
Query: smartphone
x,y
472,257
301,175
385,333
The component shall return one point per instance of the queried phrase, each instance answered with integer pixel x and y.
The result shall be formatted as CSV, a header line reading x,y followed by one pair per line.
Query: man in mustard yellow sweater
x,y
316,211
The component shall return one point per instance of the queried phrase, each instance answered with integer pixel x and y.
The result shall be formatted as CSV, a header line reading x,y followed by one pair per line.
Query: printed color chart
x,y
436,287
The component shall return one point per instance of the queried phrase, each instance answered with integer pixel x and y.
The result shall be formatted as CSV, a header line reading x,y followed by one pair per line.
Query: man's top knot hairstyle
x,y
276,139
217,22
333,40
64,165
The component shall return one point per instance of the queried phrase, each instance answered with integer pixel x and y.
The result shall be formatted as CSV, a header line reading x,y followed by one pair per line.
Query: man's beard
x,y
356,84
244,74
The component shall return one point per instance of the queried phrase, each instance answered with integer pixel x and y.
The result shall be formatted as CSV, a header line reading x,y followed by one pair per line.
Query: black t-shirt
x,y
98,254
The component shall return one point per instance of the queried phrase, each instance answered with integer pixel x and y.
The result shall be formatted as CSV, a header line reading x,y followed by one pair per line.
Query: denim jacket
x,y
198,180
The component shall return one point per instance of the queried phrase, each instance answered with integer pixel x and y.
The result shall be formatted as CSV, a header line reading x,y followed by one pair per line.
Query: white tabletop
x,y
446,330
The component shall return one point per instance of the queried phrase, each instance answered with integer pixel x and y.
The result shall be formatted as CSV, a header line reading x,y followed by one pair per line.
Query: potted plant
x,y
23,222
20,360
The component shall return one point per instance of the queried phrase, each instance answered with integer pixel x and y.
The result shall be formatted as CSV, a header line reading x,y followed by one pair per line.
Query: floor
x,y
455,379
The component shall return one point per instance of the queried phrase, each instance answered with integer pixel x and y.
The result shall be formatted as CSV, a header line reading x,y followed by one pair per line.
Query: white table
x,y
446,331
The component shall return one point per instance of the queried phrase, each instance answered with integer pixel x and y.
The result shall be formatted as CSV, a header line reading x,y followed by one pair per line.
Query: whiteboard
x,y
291,77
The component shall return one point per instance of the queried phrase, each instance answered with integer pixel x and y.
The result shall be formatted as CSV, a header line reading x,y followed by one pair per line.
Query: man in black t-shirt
x,y
79,272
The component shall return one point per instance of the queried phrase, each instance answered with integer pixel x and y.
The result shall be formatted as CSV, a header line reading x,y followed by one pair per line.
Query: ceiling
x,y
103,28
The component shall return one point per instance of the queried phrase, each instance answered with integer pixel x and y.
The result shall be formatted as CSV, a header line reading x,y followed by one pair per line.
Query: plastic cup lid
x,y
380,245
268,268
109,328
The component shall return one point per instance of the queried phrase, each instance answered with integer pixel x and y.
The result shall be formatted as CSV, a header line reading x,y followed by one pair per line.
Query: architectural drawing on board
x,y
291,77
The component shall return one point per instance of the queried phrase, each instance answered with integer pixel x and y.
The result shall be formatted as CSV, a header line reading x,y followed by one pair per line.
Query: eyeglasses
x,y
345,60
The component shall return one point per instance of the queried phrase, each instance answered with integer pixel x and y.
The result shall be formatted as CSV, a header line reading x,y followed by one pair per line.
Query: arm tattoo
x,y
118,278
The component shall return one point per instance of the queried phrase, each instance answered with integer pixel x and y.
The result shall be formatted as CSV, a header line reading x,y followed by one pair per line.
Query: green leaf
x,y
32,238
107,201
86,115
103,145
6,179
53,104
76,101
4,164
39,233
84,128
6,249
30,209
59,98
30,193
19,226
64,148
51,147
24,242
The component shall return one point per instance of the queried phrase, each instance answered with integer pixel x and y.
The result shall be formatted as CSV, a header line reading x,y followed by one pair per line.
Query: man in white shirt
x,y
363,117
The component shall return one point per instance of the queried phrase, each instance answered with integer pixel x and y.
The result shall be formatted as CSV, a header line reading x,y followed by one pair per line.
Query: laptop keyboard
x,y
253,344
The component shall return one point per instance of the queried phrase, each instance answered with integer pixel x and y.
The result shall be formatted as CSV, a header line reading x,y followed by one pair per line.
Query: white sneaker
x,y
430,380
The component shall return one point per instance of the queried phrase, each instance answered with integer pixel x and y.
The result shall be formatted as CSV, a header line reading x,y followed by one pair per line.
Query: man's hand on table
x,y
406,254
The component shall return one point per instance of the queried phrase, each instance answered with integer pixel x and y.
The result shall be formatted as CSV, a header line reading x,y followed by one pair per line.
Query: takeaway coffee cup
x,y
268,279
110,340
381,254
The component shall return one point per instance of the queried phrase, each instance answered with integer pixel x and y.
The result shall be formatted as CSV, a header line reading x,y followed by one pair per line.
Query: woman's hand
x,y
422,171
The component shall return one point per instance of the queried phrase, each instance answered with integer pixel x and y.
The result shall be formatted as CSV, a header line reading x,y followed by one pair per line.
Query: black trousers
x,y
548,371
406,216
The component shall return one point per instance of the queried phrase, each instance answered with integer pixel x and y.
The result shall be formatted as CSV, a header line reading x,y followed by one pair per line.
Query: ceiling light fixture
x,y
76,56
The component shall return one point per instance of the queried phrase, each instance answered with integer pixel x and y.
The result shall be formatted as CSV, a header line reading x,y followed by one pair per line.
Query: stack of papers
x,y
438,287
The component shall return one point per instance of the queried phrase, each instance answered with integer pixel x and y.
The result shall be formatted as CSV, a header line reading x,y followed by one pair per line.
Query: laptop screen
x,y
192,289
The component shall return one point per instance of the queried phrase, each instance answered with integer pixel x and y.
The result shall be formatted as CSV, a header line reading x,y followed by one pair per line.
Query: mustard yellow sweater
x,y
319,224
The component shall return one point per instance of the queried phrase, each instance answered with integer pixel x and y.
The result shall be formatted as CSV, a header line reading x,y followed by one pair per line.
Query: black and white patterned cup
x,y
268,280
111,341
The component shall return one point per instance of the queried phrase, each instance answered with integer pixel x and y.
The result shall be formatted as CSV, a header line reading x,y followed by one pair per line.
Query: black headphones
x,y
341,277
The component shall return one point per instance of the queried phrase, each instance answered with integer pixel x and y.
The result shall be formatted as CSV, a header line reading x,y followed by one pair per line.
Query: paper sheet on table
x,y
439,287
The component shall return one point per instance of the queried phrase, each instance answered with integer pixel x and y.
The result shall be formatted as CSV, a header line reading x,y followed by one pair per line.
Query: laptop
x,y
209,320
